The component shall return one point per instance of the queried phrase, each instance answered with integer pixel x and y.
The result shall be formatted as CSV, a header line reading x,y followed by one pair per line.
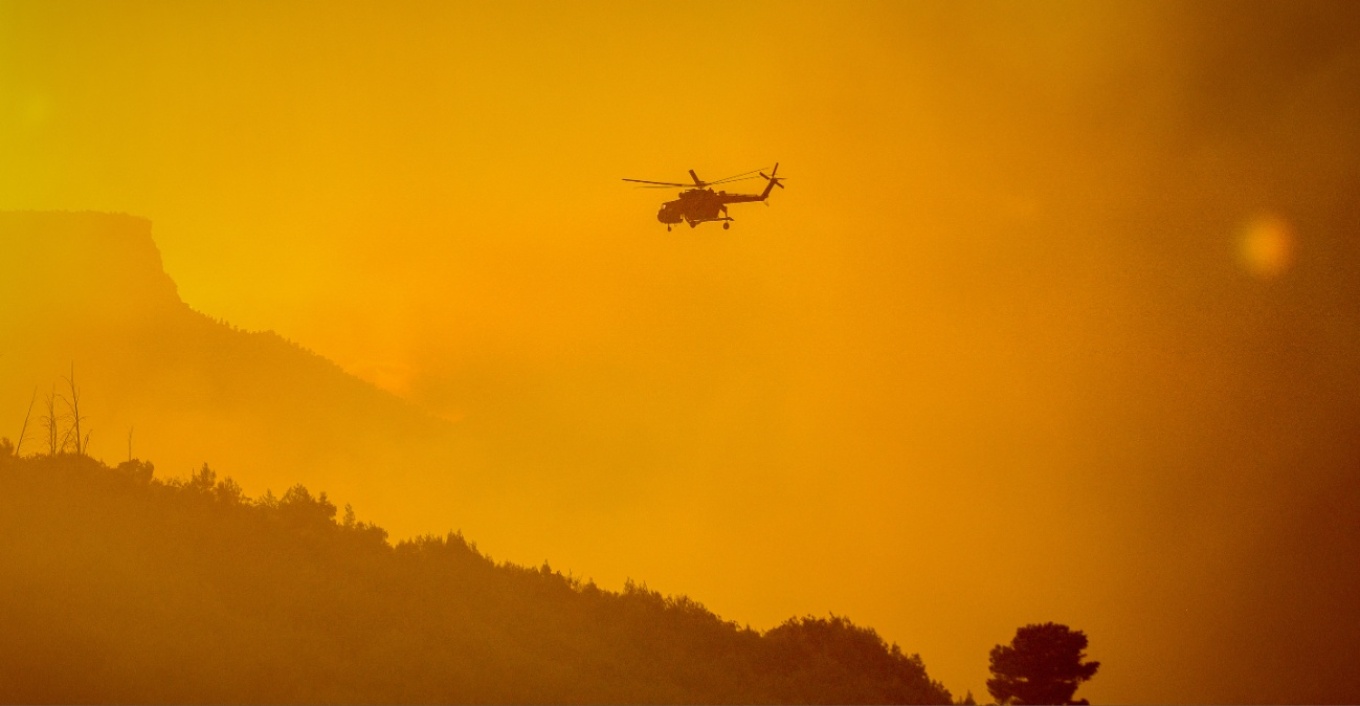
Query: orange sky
x,y
1055,321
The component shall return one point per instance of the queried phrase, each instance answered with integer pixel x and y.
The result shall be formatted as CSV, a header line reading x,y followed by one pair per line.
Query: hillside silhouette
x,y
89,290
119,587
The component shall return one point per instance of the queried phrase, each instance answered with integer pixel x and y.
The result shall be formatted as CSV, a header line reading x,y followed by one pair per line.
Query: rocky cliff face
x,y
81,270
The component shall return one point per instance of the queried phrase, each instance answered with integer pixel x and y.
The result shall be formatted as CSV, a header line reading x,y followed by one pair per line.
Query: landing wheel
x,y
726,226
668,229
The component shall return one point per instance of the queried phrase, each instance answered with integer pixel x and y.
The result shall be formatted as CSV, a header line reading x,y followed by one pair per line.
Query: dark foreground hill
x,y
118,587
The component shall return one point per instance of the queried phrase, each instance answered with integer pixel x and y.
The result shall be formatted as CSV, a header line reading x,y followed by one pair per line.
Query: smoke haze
x,y
1055,320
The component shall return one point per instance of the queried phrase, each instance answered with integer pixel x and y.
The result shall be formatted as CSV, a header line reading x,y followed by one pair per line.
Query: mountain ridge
x,y
87,293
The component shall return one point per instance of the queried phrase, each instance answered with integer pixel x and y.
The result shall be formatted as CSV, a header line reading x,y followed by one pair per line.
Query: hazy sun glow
x,y
1267,246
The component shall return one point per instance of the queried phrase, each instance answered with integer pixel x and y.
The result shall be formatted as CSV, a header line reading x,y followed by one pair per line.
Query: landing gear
x,y
726,225
668,229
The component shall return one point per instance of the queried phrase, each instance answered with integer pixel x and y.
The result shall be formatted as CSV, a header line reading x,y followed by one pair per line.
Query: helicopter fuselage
x,y
700,205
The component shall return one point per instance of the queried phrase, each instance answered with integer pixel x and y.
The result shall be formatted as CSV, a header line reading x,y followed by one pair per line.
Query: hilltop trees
x,y
118,587
1042,665
831,661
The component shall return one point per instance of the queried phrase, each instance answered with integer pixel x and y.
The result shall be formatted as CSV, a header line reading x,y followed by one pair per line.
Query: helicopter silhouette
x,y
702,204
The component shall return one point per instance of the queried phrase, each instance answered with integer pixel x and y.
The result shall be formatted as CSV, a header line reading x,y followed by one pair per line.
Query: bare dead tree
x,y
23,431
74,403
66,441
130,430
52,420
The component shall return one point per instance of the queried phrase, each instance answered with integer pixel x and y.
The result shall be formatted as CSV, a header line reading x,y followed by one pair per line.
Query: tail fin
x,y
773,182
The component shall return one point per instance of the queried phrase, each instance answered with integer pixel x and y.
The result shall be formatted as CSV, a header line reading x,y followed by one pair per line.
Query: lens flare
x,y
1266,246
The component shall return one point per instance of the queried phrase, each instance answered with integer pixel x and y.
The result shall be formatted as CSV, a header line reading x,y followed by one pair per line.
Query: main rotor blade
x,y
729,181
735,177
662,183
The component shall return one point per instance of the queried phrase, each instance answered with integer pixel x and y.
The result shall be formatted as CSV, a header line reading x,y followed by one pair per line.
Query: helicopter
x,y
702,204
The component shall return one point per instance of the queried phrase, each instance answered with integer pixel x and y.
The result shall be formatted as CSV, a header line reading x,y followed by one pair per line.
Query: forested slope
x,y
118,587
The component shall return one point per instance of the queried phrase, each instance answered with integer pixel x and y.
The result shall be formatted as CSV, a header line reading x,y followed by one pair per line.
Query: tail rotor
x,y
773,181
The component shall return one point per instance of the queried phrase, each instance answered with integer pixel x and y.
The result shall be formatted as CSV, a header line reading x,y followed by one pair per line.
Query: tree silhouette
x,y
82,443
1042,665
53,421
